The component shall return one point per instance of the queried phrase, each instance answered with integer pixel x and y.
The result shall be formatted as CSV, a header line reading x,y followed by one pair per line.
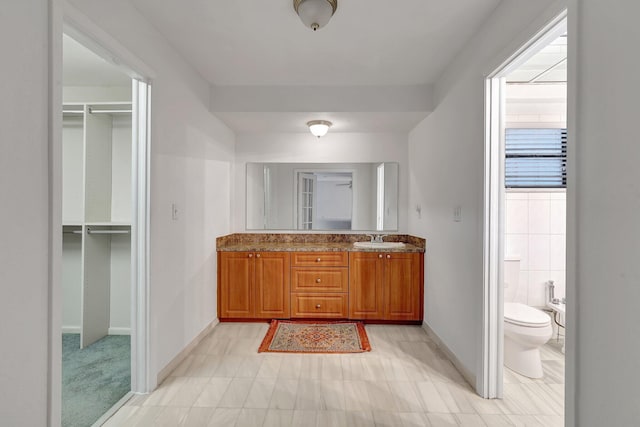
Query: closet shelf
x,y
90,231
108,224
97,159
79,109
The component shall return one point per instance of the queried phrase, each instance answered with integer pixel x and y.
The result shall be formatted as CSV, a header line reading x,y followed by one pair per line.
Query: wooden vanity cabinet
x,y
253,285
385,286
376,286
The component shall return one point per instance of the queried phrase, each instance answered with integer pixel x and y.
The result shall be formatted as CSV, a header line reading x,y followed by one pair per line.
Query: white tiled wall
x,y
535,230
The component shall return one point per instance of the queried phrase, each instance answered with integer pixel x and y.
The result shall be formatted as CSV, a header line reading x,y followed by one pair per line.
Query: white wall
x,y
73,171
604,201
446,159
24,211
535,232
191,161
305,148
536,105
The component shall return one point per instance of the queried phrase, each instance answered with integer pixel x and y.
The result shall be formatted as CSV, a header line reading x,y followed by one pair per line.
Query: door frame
x,y
97,40
490,381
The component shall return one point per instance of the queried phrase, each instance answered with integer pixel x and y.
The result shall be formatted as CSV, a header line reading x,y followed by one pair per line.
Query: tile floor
x,y
404,381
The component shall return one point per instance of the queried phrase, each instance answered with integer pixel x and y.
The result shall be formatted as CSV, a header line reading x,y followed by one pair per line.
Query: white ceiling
x,y
252,45
547,66
82,67
367,42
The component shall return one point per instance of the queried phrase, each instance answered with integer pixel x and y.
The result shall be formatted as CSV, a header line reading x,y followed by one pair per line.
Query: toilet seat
x,y
523,315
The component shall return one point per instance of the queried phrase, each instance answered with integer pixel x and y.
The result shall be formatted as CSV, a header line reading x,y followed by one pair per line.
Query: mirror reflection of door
x,y
306,200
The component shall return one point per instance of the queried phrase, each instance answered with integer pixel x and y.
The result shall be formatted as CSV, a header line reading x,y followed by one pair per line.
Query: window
x,y
536,158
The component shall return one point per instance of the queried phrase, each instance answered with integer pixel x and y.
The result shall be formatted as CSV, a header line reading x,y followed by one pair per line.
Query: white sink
x,y
378,245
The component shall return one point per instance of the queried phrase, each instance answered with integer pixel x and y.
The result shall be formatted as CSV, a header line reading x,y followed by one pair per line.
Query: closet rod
x,y
92,111
72,112
90,231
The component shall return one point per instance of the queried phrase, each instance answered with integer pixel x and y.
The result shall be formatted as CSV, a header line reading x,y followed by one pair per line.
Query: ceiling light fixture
x,y
319,127
315,14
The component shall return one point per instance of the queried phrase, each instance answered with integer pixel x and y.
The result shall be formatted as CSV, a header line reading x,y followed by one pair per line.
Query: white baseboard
x,y
111,411
71,329
166,371
119,331
466,373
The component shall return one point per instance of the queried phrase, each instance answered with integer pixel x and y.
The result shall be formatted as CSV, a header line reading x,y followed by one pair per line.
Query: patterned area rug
x,y
315,337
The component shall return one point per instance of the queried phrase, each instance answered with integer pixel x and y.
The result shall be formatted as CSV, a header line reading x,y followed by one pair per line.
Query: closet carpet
x,y
94,378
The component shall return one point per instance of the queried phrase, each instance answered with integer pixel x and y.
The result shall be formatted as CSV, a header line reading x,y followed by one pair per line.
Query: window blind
x,y
536,158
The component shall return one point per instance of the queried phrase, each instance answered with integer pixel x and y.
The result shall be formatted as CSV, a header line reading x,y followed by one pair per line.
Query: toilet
x,y
526,329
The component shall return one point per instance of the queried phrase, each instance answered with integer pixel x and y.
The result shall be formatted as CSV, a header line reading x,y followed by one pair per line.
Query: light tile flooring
x,y
404,381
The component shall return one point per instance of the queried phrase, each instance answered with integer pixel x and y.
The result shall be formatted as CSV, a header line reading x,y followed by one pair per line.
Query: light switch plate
x,y
457,214
174,211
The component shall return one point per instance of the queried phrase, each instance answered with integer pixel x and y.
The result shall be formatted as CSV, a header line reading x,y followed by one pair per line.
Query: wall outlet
x,y
457,214
174,211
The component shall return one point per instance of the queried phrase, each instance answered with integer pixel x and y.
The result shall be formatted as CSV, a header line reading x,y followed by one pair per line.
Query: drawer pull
x,y
318,280
257,255
388,256
317,305
318,259
250,255
380,256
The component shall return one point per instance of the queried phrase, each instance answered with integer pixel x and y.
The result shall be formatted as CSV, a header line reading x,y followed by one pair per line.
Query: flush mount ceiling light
x,y
315,14
319,127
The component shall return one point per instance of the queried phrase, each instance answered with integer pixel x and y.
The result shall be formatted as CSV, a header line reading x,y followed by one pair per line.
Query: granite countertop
x,y
311,243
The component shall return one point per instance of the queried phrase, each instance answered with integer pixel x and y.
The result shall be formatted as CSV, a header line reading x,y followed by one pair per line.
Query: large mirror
x,y
322,196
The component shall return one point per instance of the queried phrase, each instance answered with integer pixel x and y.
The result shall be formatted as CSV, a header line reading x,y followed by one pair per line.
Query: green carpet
x,y
94,378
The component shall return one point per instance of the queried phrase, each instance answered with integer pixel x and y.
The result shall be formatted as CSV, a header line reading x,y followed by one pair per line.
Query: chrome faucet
x,y
376,238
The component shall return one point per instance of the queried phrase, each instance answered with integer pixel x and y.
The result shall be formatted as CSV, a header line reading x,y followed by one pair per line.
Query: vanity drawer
x,y
327,279
320,259
308,305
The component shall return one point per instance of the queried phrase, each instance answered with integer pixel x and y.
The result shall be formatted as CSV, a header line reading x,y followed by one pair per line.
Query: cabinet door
x,y
365,285
402,277
272,285
234,284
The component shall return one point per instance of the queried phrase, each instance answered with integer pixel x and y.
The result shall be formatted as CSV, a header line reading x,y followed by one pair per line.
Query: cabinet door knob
x,y
379,255
318,260
318,280
317,305
388,256
250,255
257,255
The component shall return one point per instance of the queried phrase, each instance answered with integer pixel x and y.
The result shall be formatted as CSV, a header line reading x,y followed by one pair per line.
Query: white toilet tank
x,y
511,271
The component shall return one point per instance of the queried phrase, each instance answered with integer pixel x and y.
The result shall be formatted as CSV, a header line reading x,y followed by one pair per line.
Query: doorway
x,y
323,199
104,196
525,159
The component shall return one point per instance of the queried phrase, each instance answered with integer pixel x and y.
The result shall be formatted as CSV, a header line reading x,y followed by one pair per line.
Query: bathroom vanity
x,y
319,276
